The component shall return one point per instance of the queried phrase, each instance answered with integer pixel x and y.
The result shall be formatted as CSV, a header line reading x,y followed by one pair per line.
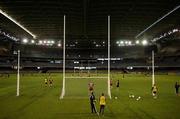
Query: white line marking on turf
x,y
86,77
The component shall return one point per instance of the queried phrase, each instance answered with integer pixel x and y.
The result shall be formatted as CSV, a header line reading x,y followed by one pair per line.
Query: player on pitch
x,y
91,87
177,88
46,82
102,102
117,84
154,91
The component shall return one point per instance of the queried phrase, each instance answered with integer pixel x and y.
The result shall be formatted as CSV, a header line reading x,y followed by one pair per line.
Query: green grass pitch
x,y
39,102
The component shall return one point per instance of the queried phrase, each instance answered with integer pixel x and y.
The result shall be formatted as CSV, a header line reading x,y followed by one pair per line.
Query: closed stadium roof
x,y
87,19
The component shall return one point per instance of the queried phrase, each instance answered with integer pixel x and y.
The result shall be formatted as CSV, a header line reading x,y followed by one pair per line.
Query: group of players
x,y
48,82
155,89
102,103
111,83
102,98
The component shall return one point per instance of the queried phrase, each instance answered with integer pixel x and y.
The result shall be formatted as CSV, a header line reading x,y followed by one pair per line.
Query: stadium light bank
x,y
10,18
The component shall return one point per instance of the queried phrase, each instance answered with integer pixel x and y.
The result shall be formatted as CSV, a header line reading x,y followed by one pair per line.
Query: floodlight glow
x,y
165,34
122,42
32,41
48,42
130,42
9,36
40,42
144,42
117,42
45,41
10,18
137,42
59,45
126,42
52,42
25,40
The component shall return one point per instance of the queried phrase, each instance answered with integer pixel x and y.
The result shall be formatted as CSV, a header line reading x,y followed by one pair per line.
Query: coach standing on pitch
x,y
92,102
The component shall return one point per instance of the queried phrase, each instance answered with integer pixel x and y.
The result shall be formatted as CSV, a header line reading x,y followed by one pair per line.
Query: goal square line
x,y
85,77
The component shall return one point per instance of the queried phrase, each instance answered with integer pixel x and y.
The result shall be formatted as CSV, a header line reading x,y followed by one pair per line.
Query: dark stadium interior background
x,y
86,33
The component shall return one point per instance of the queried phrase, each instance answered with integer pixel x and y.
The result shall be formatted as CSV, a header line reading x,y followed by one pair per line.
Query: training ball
x,y
133,96
138,98
115,97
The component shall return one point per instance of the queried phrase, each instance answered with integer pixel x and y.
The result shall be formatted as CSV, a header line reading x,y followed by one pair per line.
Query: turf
x,y
39,102
78,88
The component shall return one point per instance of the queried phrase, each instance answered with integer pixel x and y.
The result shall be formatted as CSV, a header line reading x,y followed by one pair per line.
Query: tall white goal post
x,y
109,61
18,75
153,77
64,59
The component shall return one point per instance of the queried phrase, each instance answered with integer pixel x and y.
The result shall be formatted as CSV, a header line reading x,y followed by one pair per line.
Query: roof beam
x,y
17,23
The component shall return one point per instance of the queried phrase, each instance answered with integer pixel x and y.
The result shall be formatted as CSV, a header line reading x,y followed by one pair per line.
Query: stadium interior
x,y
86,34
133,42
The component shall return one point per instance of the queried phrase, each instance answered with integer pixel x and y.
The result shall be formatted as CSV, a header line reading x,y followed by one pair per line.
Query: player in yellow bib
x,y
102,101
46,82
154,91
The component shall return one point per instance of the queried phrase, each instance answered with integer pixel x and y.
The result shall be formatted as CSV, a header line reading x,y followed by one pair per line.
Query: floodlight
x,y
52,42
45,41
144,42
137,42
59,45
40,42
122,42
48,41
165,34
25,40
117,42
32,41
